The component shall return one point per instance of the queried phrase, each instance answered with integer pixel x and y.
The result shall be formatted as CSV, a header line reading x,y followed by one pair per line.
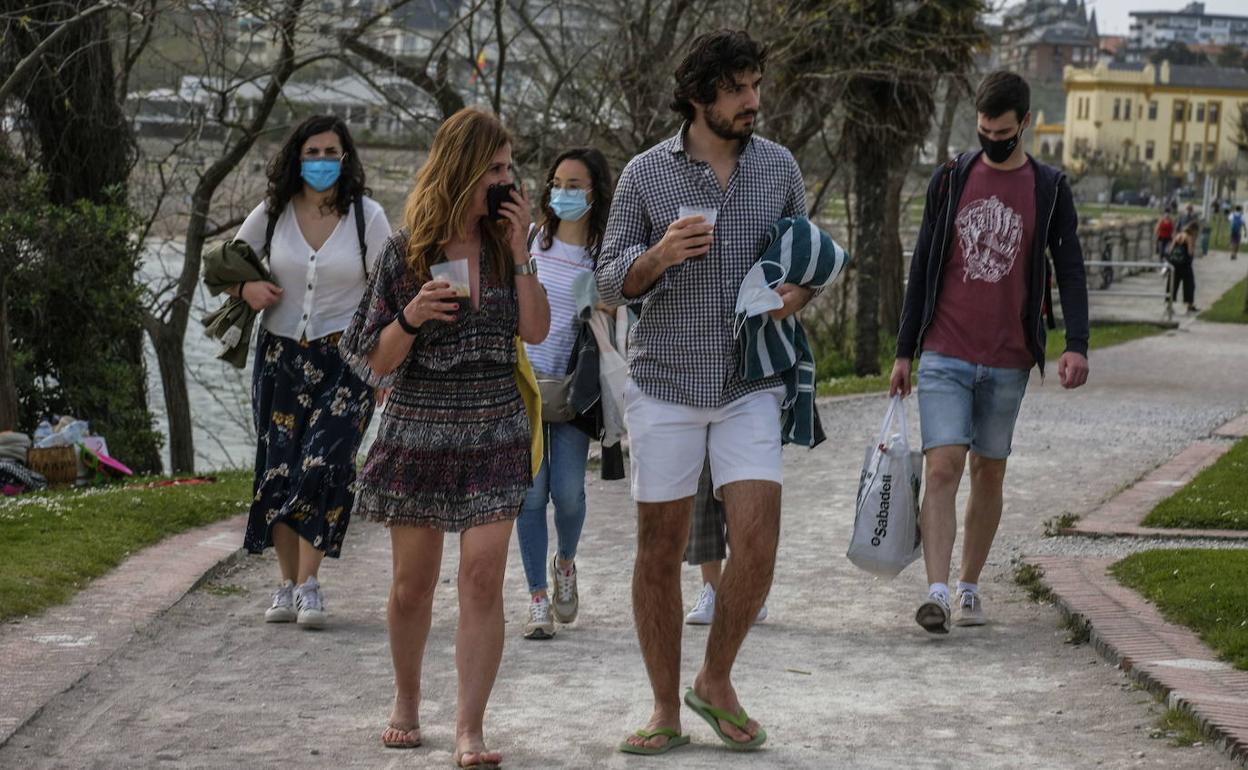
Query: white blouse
x,y
320,289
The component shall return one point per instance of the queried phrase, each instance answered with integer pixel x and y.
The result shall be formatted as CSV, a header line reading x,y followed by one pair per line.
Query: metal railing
x,y
1100,266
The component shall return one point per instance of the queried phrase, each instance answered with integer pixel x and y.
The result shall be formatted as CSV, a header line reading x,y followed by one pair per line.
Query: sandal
x,y
406,740
674,740
458,758
712,715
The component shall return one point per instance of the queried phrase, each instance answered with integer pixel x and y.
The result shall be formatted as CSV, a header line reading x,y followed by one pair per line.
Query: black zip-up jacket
x,y
1056,226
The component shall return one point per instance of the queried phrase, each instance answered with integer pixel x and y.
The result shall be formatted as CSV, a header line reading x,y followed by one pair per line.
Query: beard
x,y
723,127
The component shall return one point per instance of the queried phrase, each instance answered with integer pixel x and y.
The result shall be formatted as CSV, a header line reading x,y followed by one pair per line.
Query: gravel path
x,y
840,674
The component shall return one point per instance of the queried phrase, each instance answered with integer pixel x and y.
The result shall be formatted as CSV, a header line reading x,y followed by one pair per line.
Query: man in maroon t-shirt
x,y
973,309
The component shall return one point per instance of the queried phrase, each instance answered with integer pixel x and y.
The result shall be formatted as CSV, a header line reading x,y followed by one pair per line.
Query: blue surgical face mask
x,y
320,173
569,205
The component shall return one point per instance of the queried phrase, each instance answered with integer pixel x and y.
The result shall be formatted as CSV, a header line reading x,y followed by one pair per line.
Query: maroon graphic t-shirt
x,y
983,295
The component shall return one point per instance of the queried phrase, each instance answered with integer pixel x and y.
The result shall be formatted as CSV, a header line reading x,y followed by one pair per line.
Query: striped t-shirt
x,y
557,269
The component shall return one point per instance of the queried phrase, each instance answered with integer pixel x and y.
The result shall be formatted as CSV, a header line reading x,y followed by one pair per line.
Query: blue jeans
x,y
966,404
561,479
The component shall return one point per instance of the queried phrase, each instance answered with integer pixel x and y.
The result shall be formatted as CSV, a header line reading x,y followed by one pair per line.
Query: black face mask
x,y
1000,150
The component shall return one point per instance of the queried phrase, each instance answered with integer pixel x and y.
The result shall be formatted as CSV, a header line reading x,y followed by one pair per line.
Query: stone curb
x,y
44,656
1121,516
1170,661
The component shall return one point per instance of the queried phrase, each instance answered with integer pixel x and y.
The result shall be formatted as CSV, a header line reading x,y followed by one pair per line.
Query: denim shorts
x,y
964,404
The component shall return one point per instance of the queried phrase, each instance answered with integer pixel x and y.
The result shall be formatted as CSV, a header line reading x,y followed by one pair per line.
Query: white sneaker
x,y
540,625
933,614
567,599
283,609
970,611
310,604
703,611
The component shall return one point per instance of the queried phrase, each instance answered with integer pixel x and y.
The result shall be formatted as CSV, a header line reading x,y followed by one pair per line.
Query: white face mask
x,y
758,295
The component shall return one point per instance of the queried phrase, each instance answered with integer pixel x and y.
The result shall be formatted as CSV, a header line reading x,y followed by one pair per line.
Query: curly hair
x,y
284,168
600,185
712,60
437,207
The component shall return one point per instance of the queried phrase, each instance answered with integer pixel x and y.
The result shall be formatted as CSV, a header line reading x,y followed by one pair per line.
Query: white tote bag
x,y
886,518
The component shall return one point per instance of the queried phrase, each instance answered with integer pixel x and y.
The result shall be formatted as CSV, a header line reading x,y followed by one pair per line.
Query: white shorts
x,y
669,443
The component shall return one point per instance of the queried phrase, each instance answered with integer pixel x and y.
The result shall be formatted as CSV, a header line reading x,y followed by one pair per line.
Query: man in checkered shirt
x,y
685,397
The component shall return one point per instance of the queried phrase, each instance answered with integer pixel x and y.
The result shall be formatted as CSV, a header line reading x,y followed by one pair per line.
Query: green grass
x,y
1205,590
837,378
1031,578
1216,499
1102,336
1180,727
53,543
1229,309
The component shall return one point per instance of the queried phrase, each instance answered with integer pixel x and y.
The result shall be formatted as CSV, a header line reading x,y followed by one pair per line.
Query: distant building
x,y
1041,37
406,33
1153,30
1113,45
412,30
1177,121
366,105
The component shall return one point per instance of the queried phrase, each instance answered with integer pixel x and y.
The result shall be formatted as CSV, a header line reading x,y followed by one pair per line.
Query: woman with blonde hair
x,y
453,449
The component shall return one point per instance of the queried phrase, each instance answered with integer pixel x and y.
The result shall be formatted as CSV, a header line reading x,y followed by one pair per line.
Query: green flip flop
x,y
674,739
712,716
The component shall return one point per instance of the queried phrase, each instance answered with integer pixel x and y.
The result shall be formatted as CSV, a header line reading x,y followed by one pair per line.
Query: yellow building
x,y
1177,121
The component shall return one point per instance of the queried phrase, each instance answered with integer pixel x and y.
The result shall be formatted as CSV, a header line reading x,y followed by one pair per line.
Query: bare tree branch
x,y
27,65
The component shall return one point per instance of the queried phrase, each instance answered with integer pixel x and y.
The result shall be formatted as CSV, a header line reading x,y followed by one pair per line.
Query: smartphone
x,y
495,196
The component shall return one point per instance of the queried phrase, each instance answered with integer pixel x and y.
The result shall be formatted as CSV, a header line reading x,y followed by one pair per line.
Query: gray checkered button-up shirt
x,y
682,349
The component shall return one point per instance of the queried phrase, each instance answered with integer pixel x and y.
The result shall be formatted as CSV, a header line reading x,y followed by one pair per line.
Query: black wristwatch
x,y
404,325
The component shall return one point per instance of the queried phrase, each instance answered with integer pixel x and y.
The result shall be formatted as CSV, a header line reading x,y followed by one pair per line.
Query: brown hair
x,y
1001,92
600,185
437,207
714,58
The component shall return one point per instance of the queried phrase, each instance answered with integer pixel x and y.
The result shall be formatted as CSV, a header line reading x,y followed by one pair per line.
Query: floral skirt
x,y
452,450
310,413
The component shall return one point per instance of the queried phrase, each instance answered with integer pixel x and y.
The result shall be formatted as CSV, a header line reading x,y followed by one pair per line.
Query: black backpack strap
x,y
359,233
532,237
269,227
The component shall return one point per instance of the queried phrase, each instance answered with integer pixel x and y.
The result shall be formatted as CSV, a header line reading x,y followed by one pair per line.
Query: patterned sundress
x,y
452,448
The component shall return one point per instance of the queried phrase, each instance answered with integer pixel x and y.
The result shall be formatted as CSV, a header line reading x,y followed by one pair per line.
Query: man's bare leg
x,y
753,514
983,515
938,518
662,532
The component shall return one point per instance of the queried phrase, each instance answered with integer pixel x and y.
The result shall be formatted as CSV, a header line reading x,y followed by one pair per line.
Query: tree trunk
x,y
953,96
168,335
870,193
892,260
85,141
172,361
8,385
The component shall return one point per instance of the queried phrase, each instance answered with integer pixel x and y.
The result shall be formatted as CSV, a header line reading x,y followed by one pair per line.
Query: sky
x,y
1113,17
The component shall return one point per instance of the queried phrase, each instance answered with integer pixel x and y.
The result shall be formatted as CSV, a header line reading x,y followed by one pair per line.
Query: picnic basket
x,y
58,464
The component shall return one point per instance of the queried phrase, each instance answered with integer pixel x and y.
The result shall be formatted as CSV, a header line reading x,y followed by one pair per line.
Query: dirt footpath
x,y
839,674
